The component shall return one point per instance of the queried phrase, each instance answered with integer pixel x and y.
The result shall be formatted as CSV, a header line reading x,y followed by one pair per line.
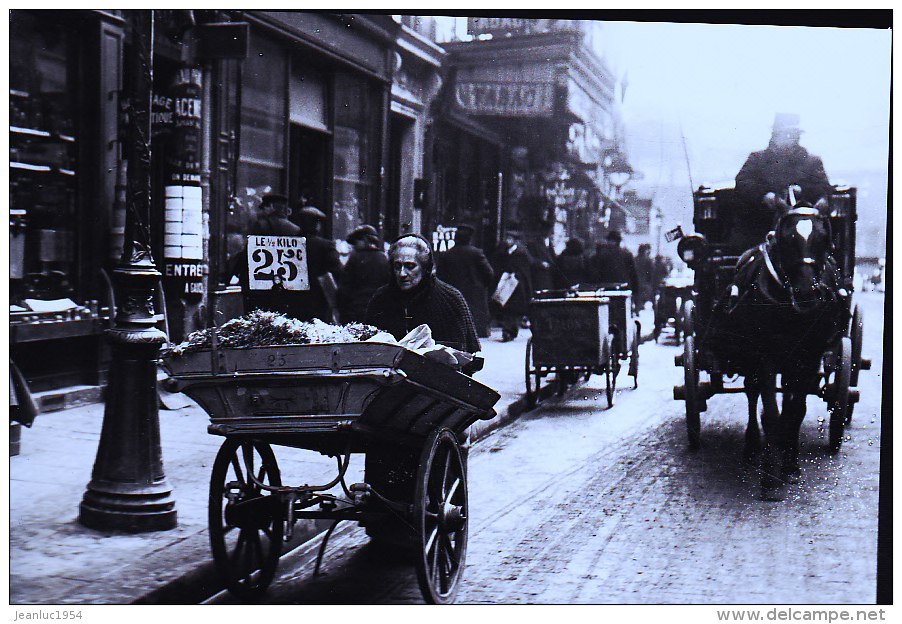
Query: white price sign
x,y
273,260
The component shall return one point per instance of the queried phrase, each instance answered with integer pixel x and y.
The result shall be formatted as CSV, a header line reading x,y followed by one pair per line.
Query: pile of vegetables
x,y
265,329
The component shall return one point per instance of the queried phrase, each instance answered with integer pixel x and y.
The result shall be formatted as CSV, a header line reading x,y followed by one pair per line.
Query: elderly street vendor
x,y
415,297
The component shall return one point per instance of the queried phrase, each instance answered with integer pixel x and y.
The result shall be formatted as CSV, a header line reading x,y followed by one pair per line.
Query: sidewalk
x,y
55,560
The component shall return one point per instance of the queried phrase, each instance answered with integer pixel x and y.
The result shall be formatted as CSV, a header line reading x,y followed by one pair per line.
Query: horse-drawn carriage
x,y
407,413
578,332
781,308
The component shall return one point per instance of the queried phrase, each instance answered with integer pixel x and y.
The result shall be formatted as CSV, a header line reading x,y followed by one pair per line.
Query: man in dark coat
x,y
512,258
465,267
542,254
645,269
572,265
613,264
365,271
416,297
323,270
766,176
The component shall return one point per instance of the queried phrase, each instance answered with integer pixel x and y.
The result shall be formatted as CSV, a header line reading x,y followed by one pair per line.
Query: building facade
x,y
540,88
243,103
365,117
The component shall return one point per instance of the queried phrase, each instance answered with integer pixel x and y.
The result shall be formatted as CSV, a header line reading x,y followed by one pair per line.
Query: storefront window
x,y
261,166
42,151
355,140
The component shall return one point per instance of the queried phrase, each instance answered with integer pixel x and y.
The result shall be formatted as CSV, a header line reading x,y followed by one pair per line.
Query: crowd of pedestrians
x,y
409,279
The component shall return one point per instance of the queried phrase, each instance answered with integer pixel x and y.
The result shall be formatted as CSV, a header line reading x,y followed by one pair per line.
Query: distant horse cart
x,y
579,332
783,308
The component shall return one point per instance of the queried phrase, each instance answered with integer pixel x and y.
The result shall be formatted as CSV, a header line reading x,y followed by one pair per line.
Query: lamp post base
x,y
128,490
106,507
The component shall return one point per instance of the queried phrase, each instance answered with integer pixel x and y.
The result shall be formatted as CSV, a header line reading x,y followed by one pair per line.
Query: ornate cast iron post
x,y
128,489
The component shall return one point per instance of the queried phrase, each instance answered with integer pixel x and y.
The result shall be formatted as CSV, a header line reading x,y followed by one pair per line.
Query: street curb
x,y
203,581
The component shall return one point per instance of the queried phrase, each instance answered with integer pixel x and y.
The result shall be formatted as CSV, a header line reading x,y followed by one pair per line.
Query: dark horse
x,y
782,313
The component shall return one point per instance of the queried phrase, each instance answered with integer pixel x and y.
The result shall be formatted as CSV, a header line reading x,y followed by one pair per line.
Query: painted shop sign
x,y
503,26
506,98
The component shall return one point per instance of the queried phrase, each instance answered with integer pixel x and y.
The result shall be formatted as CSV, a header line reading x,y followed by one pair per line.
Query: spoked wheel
x,y
840,404
611,366
856,332
691,377
685,314
441,514
634,355
245,521
532,389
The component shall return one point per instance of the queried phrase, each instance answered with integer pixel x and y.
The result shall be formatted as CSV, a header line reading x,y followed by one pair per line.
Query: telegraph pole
x,y
128,490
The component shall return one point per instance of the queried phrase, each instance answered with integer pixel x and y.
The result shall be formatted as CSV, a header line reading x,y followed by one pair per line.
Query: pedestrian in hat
x,y
645,267
271,220
365,271
466,267
613,264
766,176
511,258
572,265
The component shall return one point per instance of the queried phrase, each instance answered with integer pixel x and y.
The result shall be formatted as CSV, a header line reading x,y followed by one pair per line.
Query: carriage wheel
x,y
856,333
690,372
685,314
840,404
441,514
245,521
531,369
611,365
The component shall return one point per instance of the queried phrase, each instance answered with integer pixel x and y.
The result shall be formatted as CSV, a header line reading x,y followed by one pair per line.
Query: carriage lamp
x,y
692,249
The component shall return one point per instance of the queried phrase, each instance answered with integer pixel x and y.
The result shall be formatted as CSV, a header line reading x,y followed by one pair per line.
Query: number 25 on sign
x,y
277,261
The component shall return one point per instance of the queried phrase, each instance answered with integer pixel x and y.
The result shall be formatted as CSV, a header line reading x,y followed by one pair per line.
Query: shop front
x,y
242,104
305,116
64,171
538,85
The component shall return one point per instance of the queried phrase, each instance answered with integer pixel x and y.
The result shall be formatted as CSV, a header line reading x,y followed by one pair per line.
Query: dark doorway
x,y
399,194
307,170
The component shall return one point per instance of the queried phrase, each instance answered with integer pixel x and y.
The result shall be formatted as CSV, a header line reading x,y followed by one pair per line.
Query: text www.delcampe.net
x,y
801,615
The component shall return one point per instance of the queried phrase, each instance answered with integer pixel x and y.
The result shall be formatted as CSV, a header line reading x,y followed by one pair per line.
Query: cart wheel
x,y
634,355
840,404
245,522
856,332
531,393
611,363
690,372
687,322
441,514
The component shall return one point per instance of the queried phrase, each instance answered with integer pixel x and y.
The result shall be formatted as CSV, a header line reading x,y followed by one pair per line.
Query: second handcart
x,y
580,332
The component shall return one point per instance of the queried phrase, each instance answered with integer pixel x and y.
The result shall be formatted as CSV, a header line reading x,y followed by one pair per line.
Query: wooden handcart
x,y
336,399
579,333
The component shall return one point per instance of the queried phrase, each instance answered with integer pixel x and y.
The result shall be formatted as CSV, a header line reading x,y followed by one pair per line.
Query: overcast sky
x,y
722,83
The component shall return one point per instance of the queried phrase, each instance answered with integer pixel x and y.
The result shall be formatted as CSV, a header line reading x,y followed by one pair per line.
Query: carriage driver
x,y
767,175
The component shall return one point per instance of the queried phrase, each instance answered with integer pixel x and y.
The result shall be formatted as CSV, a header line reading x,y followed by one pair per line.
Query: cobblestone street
x,y
575,504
